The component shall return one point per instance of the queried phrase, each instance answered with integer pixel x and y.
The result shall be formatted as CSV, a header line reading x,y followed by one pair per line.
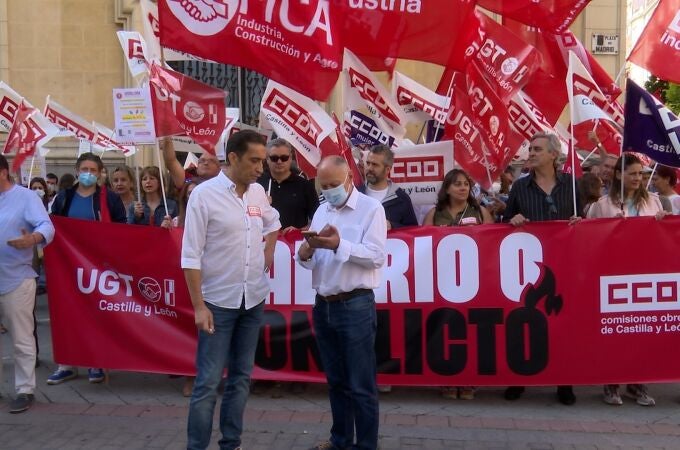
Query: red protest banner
x,y
416,30
485,305
182,105
296,44
552,15
659,43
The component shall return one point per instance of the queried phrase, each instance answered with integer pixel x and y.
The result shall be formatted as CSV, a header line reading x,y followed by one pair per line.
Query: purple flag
x,y
651,127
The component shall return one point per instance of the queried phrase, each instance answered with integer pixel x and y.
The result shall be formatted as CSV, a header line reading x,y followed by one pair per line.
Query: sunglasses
x,y
277,158
553,208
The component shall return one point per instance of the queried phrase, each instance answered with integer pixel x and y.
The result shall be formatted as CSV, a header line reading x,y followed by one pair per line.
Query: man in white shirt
x,y
345,258
225,267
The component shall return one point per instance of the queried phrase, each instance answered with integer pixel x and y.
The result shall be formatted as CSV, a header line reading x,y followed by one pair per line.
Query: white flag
x,y
69,124
418,102
586,100
296,118
135,52
9,104
363,90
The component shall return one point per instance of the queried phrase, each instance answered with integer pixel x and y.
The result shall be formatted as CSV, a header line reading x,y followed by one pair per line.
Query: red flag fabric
x,y
471,305
658,48
297,44
552,15
506,60
472,152
29,131
554,50
182,105
408,29
590,109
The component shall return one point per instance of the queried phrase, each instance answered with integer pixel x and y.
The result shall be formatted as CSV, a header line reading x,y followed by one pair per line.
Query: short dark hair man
x,y
228,217
24,224
294,197
345,258
398,207
544,194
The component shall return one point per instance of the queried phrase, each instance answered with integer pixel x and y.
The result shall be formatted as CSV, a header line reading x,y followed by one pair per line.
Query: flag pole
x,y
30,169
649,182
139,185
160,169
573,164
421,131
623,194
448,91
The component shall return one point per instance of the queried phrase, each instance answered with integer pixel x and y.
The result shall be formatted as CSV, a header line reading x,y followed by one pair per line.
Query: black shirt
x,y
294,198
528,199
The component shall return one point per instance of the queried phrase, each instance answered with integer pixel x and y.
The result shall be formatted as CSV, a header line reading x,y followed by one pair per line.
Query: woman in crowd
x,y
457,206
39,186
151,210
635,201
664,180
589,191
123,184
86,200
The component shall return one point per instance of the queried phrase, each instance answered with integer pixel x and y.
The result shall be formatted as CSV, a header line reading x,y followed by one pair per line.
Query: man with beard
x,y
396,202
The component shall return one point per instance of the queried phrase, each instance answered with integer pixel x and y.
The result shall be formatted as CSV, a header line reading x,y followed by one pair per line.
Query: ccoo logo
x,y
204,17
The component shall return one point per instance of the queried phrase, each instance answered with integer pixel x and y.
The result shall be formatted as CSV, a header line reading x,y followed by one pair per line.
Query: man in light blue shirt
x,y
24,224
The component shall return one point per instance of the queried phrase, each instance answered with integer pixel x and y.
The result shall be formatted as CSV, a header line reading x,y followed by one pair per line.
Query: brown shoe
x,y
188,386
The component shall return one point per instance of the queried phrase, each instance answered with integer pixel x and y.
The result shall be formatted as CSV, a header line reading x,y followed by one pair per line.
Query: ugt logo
x,y
204,17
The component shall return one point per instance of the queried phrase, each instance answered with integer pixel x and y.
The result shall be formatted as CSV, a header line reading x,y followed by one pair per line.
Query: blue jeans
x,y
345,333
232,346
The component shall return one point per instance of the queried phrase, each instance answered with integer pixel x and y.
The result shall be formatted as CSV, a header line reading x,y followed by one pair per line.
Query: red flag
x,y
472,152
294,43
658,48
182,105
29,131
576,170
552,15
550,77
507,61
417,30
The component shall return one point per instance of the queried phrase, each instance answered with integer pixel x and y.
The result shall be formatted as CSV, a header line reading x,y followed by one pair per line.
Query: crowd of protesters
x,y
538,191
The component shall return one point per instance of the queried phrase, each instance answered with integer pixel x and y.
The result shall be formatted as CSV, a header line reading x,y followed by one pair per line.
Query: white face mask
x,y
39,192
336,196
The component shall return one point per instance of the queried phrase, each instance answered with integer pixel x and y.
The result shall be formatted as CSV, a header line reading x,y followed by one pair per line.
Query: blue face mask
x,y
336,196
87,179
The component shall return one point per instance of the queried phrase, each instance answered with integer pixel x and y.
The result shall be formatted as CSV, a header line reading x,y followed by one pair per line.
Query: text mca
x,y
371,94
631,293
417,169
293,114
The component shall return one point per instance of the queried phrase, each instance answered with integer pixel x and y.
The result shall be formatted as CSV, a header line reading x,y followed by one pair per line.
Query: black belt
x,y
344,296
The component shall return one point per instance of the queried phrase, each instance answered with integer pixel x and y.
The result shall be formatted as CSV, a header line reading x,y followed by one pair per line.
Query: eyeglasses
x,y
553,208
277,158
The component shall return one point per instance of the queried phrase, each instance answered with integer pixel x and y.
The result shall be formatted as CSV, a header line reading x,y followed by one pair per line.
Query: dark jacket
x,y
398,207
62,203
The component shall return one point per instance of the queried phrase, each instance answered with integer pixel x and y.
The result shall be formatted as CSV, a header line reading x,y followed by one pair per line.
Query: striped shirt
x,y
528,199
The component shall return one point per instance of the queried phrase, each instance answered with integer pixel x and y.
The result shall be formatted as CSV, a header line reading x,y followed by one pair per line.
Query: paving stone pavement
x,y
147,411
